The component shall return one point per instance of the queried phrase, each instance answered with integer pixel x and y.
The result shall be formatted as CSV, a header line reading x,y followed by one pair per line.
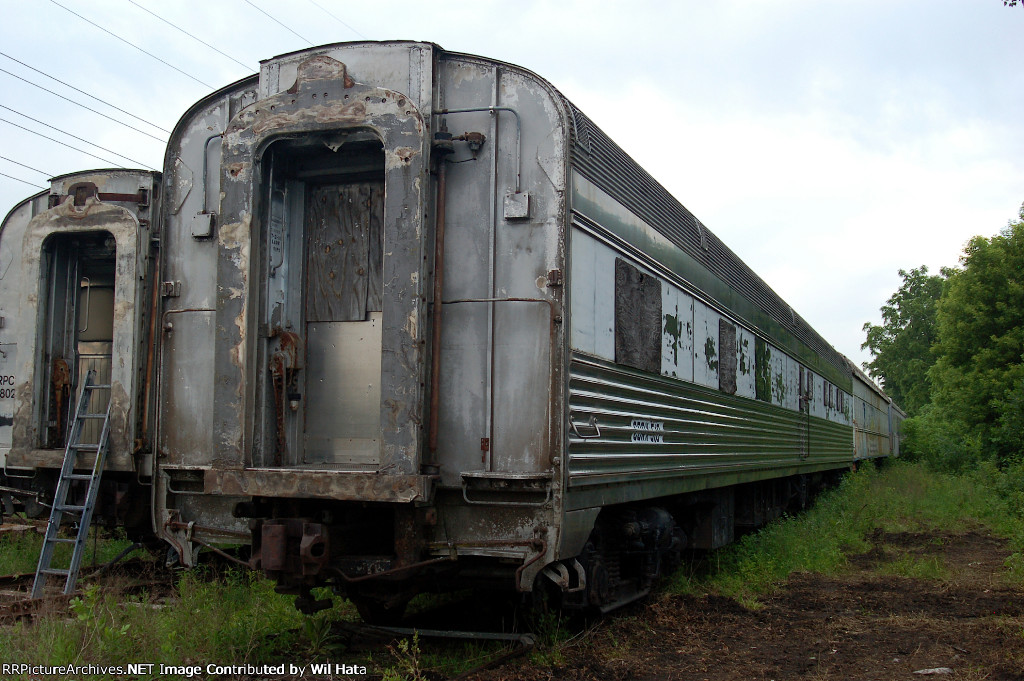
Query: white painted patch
x,y
705,345
592,291
676,333
745,375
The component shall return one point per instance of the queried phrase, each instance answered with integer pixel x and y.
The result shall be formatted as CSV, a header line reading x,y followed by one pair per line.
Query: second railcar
x,y
77,294
425,325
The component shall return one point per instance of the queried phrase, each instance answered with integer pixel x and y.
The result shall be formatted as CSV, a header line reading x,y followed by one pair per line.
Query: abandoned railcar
x,y
424,324
77,272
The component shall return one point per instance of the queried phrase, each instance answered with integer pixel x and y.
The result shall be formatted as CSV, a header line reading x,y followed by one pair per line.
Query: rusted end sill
x,y
318,484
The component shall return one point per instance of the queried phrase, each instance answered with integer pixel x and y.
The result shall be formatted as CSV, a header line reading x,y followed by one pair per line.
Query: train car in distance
x,y
77,266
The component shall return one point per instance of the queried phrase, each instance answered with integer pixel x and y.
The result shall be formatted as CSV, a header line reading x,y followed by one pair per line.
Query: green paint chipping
x,y
674,331
710,354
780,387
762,371
744,357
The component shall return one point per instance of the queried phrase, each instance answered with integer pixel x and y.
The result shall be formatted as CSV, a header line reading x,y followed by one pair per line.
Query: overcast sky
x,y
828,143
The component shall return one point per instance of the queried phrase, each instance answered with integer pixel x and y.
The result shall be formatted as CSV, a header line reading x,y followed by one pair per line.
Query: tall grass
x,y
901,498
19,553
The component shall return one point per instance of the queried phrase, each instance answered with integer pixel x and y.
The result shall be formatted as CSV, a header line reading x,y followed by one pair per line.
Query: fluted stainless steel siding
x,y
709,438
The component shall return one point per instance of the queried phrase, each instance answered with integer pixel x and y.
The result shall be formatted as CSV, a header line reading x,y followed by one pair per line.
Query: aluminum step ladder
x,y
75,449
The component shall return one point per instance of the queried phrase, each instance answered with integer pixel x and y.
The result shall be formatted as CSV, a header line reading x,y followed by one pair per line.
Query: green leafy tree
x,y
978,376
901,345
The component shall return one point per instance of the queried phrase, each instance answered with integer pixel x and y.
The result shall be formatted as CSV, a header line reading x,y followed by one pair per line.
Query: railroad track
x,y
17,603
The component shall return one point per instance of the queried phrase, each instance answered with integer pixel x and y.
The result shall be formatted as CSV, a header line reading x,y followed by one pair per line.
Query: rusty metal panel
x,y
316,484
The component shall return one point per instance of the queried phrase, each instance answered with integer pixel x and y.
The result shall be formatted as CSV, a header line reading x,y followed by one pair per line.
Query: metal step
x,y
55,571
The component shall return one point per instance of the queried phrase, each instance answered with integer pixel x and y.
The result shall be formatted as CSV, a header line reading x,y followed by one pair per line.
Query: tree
x,y
978,376
901,346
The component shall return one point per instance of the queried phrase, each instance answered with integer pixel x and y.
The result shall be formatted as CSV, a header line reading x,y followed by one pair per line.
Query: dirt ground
x,y
867,623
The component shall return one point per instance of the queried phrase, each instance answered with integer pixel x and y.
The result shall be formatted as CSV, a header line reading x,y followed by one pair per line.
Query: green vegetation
x,y
902,498
902,344
236,618
957,362
20,552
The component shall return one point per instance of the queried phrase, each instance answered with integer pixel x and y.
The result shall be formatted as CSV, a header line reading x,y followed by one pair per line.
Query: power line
x,y
112,106
41,172
324,9
80,139
111,33
248,2
65,144
18,179
80,151
179,28
99,113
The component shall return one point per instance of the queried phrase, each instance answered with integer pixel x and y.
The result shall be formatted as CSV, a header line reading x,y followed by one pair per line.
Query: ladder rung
x,y
99,386
72,509
78,476
85,447
55,571
92,416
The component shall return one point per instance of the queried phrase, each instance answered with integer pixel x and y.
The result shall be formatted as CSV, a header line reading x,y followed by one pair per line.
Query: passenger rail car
x,y
422,324
76,294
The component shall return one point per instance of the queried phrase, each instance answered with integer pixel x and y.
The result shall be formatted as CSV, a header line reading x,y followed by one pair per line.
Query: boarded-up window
x,y
726,357
344,225
637,318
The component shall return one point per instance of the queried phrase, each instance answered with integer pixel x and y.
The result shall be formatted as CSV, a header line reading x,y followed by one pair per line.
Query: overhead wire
x,y
99,113
18,179
128,42
329,13
68,85
41,172
197,39
258,9
80,139
65,144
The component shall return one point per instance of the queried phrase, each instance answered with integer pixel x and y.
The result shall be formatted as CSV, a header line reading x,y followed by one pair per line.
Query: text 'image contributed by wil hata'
x,y
150,669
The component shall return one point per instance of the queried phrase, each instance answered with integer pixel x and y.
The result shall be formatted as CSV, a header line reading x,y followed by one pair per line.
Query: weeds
x,y
903,498
408,665
916,567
